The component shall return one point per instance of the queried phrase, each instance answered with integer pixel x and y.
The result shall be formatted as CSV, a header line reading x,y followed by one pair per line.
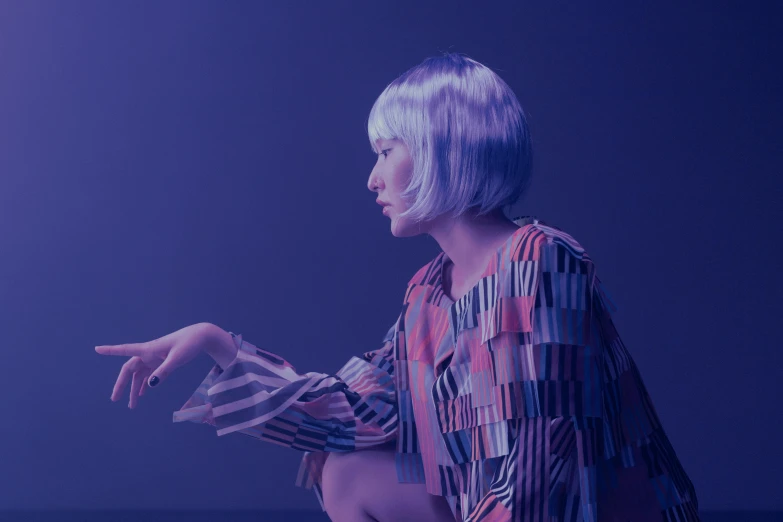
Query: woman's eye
x,y
385,152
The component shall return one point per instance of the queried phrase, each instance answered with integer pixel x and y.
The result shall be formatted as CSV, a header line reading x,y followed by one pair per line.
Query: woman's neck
x,y
469,242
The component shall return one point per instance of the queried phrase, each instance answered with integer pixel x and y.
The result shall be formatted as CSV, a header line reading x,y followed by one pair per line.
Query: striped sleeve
x,y
261,395
548,474
589,445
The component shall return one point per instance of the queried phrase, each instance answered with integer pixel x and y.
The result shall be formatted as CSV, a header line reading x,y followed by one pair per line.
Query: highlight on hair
x,y
466,133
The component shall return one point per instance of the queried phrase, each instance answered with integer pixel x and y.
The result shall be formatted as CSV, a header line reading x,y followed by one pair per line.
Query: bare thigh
x,y
364,483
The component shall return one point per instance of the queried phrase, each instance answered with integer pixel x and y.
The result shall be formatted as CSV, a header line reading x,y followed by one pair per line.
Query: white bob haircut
x,y
465,131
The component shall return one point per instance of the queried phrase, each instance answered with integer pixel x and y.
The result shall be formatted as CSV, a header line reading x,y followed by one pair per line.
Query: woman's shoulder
x,y
536,240
542,234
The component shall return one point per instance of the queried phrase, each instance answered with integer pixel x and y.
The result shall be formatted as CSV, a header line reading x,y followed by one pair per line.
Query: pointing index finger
x,y
119,349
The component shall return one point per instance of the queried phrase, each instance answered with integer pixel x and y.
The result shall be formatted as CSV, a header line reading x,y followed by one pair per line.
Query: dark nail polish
x,y
154,380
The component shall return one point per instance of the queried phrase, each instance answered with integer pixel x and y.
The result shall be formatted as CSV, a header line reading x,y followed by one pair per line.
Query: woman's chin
x,y
402,227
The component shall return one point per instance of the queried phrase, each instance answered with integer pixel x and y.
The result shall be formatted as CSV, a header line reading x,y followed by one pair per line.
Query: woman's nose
x,y
374,182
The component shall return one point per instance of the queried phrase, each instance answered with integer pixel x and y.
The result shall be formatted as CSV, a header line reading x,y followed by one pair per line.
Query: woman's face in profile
x,y
389,177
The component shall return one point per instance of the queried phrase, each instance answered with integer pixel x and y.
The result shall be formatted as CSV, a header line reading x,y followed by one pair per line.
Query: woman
x,y
501,392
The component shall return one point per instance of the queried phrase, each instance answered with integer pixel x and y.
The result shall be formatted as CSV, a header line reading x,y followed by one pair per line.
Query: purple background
x,y
163,164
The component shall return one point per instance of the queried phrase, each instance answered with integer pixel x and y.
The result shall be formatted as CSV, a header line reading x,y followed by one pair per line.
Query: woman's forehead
x,y
382,141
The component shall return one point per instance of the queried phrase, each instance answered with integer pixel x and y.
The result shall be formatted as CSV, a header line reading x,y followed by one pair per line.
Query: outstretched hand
x,y
158,358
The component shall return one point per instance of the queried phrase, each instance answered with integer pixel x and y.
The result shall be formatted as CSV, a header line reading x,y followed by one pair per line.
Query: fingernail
x,y
154,380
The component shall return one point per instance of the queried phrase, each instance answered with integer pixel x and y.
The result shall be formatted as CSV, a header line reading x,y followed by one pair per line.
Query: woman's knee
x,y
340,480
350,479
363,485
334,479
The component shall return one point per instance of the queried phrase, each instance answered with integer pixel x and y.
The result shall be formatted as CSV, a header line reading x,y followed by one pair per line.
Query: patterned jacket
x,y
517,402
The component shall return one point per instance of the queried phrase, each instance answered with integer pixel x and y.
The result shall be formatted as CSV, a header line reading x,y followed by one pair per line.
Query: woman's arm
x,y
558,374
589,446
257,393
221,346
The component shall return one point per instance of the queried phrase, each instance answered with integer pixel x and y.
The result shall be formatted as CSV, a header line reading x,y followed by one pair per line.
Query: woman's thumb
x,y
161,373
